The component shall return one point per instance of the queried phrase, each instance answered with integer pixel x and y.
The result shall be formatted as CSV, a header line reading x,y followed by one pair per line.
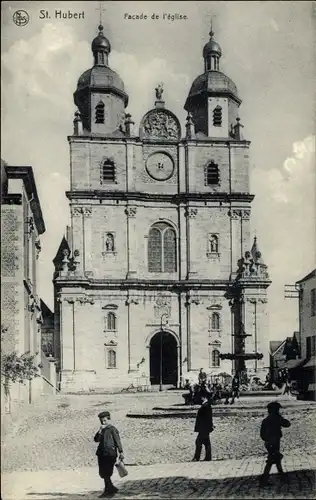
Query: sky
x,y
268,51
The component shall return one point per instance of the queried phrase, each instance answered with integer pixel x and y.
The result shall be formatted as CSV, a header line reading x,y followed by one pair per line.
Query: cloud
x,y
284,211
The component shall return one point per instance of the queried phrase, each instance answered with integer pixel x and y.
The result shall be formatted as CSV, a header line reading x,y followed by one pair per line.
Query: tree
x,y
17,367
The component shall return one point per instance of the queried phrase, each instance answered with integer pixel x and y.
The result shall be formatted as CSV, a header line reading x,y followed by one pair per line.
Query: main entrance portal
x,y
163,359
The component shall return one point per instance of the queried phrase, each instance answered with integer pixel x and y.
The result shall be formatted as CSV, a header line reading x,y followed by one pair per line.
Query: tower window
x,y
162,249
212,174
111,321
215,321
111,358
217,116
99,112
108,171
215,358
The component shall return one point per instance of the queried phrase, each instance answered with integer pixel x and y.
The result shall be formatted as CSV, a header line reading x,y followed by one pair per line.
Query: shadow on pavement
x,y
297,484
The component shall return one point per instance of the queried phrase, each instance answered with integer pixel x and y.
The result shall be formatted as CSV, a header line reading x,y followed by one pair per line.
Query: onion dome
x,y
213,81
211,47
101,43
102,77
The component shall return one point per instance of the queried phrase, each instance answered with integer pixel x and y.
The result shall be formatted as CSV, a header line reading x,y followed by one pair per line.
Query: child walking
x,y
109,444
271,434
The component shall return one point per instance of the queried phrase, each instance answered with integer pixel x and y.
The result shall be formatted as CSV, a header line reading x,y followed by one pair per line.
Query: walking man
x,y
109,445
271,434
203,426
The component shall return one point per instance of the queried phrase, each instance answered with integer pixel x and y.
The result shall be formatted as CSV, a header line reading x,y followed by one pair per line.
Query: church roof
x,y
274,345
310,275
212,82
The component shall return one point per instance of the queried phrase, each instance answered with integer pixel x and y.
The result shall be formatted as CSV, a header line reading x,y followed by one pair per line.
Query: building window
x,y
109,242
217,116
212,174
111,321
111,358
108,171
215,358
313,302
215,321
162,249
99,112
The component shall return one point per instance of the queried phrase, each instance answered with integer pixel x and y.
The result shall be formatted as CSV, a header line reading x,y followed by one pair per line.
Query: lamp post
x,y
161,335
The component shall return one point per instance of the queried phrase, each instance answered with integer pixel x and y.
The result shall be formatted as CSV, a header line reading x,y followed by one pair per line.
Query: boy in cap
x,y
271,434
109,444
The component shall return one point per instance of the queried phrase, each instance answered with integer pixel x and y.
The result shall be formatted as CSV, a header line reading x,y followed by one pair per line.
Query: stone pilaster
x,y
131,302
131,241
77,235
245,230
182,169
235,232
67,334
130,168
183,242
87,240
190,214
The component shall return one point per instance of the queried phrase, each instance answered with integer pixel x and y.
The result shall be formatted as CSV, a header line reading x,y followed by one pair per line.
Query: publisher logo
x,y
21,18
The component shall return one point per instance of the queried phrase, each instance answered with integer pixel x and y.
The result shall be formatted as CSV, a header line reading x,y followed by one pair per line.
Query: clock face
x,y
160,166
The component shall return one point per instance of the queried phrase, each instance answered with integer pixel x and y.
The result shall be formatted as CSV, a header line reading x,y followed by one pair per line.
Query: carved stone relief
x,y
159,124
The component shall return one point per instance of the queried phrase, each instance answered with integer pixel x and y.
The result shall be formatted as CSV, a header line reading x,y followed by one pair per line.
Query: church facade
x,y
156,275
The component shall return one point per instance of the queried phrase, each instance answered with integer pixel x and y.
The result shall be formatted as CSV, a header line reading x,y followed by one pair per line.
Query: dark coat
x,y
271,428
109,442
204,419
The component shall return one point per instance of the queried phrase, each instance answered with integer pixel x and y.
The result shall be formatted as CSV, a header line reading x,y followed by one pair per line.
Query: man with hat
x,y
109,444
271,433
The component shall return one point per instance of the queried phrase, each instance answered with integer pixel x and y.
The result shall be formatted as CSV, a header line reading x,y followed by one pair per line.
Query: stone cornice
x,y
142,284
26,174
200,141
177,198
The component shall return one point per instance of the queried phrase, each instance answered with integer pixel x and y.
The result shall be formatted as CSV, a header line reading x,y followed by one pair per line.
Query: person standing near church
x,y
109,446
203,426
202,376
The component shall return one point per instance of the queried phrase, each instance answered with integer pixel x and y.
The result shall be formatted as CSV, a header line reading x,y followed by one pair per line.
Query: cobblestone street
x,y
57,435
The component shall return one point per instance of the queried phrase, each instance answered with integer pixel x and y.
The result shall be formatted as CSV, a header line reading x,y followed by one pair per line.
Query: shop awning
x,y
311,363
293,363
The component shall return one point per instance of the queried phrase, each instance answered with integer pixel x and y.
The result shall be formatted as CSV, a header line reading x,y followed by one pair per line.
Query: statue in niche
x,y
213,241
109,242
159,91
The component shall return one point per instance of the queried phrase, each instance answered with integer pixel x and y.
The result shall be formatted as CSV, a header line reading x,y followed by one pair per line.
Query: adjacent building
x,y
307,326
22,225
158,273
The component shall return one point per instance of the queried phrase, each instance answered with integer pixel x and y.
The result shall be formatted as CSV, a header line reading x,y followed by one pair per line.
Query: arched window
x,y
111,321
212,174
99,112
108,171
217,116
162,249
215,358
111,358
215,321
